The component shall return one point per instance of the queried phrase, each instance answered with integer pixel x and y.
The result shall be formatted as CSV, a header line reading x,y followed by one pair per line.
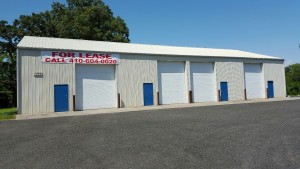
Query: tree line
x,y
292,75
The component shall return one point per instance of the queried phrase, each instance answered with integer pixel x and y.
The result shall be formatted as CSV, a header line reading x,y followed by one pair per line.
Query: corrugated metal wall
x,y
233,73
132,73
275,72
38,93
19,84
188,79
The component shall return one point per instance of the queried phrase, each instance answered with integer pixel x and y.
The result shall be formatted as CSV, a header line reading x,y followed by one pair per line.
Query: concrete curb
x,y
173,106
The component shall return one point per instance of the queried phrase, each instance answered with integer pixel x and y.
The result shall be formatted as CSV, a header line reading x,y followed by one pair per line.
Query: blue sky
x,y
270,27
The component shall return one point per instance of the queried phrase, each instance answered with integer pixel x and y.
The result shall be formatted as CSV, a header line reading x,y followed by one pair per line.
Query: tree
x,y
91,20
78,19
8,42
292,75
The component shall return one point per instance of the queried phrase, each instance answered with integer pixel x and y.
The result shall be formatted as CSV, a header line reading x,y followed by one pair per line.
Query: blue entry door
x,y
148,94
61,98
270,89
224,91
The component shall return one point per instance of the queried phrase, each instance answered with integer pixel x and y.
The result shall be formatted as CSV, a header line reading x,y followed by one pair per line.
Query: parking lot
x,y
241,136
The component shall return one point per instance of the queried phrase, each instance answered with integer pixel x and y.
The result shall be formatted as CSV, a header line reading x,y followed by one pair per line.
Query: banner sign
x,y
79,57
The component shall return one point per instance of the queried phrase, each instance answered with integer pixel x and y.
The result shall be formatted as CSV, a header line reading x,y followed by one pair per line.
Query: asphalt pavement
x,y
242,136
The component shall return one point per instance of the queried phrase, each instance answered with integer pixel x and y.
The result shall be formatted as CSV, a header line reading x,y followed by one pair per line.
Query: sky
x,y
270,27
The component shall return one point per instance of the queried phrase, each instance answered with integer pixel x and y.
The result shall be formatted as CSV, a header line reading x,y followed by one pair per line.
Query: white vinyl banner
x,y
79,57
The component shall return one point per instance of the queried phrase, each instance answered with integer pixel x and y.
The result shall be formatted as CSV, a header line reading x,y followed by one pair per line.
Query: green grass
x,y
8,113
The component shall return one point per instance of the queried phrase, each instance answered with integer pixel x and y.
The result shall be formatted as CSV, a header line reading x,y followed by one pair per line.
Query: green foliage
x,y
292,75
6,99
8,42
6,114
78,19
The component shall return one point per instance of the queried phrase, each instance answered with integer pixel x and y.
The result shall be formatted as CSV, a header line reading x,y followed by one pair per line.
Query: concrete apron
x,y
171,106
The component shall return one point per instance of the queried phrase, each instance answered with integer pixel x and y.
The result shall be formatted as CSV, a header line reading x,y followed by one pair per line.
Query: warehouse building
x,y
58,75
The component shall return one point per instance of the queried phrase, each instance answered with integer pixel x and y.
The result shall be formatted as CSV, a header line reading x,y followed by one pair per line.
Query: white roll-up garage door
x,y
254,81
95,86
203,82
171,82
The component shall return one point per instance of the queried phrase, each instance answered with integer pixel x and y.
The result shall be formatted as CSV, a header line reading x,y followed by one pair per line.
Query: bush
x,y
292,74
6,99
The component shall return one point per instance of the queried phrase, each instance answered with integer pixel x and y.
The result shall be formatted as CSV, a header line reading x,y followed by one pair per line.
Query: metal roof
x,y
47,43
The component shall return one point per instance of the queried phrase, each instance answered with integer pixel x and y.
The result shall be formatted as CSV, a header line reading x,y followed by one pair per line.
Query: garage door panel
x,y
95,87
100,95
254,81
171,79
172,88
203,82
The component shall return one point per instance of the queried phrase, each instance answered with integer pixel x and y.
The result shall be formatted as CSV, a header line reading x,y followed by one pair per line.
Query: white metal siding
x,y
171,81
254,81
132,73
275,72
203,82
19,84
233,73
37,95
95,86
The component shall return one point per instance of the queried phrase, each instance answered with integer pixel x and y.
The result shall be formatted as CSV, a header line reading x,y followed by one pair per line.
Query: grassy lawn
x,y
8,113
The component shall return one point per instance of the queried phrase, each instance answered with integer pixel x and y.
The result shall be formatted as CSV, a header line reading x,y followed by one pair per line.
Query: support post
x,y
119,100
219,95
191,97
74,103
245,93
157,94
